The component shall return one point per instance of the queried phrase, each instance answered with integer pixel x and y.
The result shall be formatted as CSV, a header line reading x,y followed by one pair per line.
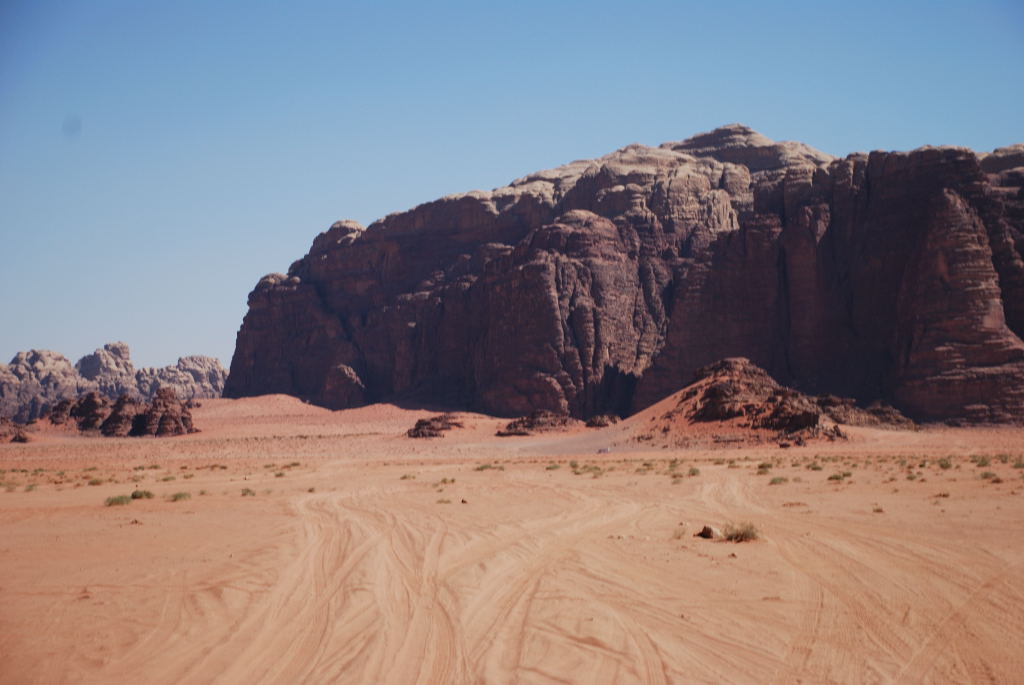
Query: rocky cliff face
x,y
38,379
601,286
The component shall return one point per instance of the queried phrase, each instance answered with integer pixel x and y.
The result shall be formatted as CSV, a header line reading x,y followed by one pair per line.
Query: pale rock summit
x,y
37,379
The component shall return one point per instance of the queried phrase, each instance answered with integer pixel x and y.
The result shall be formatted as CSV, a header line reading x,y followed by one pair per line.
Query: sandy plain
x,y
363,556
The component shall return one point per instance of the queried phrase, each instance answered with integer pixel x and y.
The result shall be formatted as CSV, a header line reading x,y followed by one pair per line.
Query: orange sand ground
x,y
356,562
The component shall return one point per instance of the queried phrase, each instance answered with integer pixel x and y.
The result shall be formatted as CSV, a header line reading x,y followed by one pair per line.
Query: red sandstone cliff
x,y
603,285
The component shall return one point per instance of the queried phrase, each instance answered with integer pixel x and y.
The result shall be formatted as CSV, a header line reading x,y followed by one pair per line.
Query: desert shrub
x,y
407,476
179,496
95,481
987,475
167,479
740,532
778,480
945,464
551,467
118,501
142,494
694,471
982,462
248,492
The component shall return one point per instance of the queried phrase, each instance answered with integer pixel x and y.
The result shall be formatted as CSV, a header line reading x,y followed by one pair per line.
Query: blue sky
x,y
157,158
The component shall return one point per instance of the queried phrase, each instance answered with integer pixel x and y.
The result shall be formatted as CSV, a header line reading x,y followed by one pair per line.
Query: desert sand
x,y
358,555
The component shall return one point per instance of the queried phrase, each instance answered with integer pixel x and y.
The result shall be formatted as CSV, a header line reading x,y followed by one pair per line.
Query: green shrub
x,y
142,494
118,501
945,464
694,471
778,480
179,496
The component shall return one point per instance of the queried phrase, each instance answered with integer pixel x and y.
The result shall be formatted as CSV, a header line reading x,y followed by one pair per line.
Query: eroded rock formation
x,y
733,400
37,380
166,415
602,285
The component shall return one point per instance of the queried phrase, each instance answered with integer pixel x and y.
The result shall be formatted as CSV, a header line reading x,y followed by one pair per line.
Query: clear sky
x,y
157,158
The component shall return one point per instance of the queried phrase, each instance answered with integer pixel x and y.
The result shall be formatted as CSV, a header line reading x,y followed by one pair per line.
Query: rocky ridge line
x,y
37,379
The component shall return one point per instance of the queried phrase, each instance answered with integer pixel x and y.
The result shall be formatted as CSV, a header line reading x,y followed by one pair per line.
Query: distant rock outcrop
x,y
742,398
539,421
434,427
603,285
166,415
37,380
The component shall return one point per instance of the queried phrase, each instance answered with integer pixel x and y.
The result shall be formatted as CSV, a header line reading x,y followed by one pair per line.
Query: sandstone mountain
x,y
38,379
603,285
